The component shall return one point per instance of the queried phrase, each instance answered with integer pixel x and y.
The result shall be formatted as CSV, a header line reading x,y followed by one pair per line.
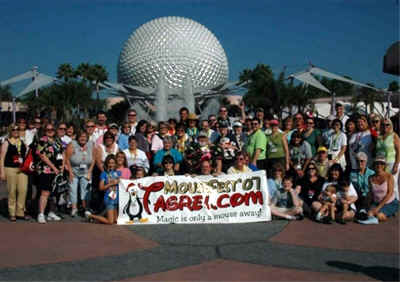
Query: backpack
x,y
60,184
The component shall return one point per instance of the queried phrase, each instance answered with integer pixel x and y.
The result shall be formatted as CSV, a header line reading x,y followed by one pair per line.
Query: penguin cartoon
x,y
134,208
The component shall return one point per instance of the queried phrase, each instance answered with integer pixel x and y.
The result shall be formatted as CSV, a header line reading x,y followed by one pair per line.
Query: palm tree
x,y
99,75
83,71
66,72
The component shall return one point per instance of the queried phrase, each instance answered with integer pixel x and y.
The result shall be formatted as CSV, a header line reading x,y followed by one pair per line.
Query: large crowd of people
x,y
338,169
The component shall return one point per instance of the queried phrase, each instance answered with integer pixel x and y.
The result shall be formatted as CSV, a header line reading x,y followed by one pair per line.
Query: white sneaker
x,y
52,216
74,212
88,214
41,218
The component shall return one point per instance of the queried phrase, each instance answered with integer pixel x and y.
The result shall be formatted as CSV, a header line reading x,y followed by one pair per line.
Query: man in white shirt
x,y
101,126
339,107
132,120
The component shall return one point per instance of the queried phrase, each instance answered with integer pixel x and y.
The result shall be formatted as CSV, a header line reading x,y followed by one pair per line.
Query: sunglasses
x,y
310,122
14,129
361,161
62,128
223,111
49,129
131,115
375,121
311,168
388,125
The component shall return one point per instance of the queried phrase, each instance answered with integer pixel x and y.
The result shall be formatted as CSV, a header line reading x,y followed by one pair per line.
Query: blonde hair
x,y
387,120
10,128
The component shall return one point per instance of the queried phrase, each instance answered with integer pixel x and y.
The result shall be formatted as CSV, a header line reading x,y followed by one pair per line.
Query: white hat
x,y
237,124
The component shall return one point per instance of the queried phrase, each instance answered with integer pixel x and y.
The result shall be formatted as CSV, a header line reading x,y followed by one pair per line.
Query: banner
x,y
234,198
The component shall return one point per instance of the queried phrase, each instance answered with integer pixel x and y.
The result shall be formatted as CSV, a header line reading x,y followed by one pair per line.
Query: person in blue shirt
x,y
167,150
109,180
359,179
123,142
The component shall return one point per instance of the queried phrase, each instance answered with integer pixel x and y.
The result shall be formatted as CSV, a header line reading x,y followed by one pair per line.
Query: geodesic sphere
x,y
175,47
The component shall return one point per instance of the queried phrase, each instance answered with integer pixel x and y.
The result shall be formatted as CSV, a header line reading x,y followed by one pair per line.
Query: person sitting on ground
x,y
310,187
109,180
336,176
328,205
388,145
343,202
360,180
384,202
285,203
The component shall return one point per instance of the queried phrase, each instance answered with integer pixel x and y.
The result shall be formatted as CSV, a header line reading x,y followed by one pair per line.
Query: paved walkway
x,y
277,250
303,250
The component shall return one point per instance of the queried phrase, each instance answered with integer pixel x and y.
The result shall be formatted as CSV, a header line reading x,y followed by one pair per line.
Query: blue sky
x,y
347,37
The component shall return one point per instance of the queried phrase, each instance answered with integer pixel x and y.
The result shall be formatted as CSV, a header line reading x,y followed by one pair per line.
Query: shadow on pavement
x,y
381,273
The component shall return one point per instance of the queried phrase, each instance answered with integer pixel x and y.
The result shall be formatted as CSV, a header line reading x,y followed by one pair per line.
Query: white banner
x,y
235,198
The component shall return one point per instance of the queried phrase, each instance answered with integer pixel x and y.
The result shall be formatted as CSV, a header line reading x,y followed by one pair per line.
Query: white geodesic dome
x,y
175,47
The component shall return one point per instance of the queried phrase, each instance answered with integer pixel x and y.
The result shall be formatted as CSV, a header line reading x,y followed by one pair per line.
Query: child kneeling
x,y
285,203
109,180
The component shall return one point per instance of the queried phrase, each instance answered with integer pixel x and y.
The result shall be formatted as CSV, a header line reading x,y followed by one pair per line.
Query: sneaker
x,y
41,218
74,212
52,216
362,215
88,214
327,220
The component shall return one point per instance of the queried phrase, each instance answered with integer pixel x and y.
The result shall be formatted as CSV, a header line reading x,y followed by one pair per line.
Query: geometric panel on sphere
x,y
175,47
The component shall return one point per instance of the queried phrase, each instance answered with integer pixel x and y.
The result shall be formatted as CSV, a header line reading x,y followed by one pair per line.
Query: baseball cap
x,y
237,124
113,125
322,149
274,122
380,159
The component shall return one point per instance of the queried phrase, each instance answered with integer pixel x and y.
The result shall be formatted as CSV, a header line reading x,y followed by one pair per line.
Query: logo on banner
x,y
181,199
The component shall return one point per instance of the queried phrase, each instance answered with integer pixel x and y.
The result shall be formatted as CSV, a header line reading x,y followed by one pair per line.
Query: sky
x,y
346,37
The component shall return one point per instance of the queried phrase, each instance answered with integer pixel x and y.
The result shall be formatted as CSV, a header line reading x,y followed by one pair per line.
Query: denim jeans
x,y
73,192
